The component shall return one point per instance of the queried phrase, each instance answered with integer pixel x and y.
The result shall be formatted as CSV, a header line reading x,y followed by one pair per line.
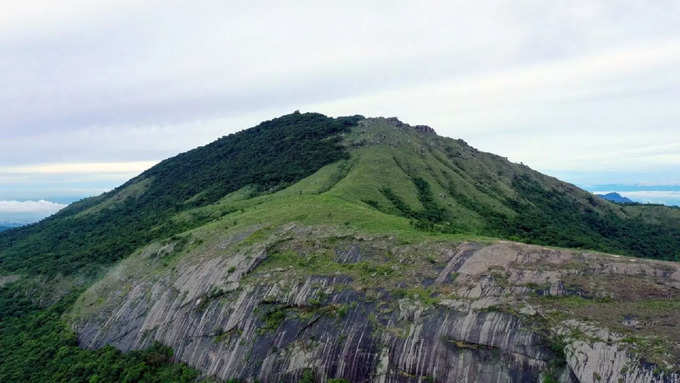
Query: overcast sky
x,y
93,92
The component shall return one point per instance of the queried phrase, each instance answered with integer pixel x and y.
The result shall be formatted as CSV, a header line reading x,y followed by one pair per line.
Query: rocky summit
x,y
349,249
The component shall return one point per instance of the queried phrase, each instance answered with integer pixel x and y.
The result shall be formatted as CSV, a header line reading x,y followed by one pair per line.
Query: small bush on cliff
x,y
307,376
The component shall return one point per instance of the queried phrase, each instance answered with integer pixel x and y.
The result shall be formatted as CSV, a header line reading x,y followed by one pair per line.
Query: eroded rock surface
x,y
371,309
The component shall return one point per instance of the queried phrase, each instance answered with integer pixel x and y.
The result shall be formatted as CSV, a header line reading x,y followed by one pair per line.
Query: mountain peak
x,y
615,197
394,121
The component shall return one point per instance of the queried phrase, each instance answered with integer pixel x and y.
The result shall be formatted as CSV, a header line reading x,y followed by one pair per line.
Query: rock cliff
x,y
268,304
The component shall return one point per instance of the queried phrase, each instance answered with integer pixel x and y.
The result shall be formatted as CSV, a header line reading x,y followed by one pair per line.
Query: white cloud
x,y
41,207
667,197
653,195
579,86
79,168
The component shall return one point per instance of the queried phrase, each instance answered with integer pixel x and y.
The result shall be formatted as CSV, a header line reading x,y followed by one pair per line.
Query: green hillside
x,y
363,175
98,231
437,183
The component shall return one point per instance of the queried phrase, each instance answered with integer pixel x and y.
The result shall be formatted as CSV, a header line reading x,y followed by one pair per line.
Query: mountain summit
x,y
363,249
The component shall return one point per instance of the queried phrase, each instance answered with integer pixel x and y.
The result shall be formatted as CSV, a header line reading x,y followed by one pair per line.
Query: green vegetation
x,y
36,346
423,295
272,319
307,376
323,263
552,218
432,211
453,188
433,217
548,217
85,236
439,185
306,169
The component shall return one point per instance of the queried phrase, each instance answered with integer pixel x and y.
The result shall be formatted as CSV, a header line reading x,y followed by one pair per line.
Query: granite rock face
x,y
368,309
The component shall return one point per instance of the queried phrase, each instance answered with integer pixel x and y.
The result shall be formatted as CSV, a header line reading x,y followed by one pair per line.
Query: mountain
x,y
366,249
615,197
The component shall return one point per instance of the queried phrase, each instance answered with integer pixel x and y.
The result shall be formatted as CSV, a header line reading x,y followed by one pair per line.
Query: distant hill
x,y
615,197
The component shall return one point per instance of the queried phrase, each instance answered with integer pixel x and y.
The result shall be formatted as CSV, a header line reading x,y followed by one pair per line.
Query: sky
x,y
94,92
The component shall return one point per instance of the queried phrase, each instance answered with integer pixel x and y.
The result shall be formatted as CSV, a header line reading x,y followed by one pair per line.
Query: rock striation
x,y
369,309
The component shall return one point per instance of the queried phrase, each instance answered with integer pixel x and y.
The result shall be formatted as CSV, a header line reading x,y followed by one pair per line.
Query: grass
x,y
366,273
327,210
420,294
273,319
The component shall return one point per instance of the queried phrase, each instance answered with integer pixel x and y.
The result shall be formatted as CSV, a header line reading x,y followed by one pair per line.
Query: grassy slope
x,y
470,192
485,194
482,195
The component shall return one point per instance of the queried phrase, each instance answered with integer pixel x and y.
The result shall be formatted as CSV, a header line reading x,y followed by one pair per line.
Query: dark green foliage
x,y
307,376
432,211
554,219
398,203
274,153
432,218
38,347
272,319
14,303
271,155
549,217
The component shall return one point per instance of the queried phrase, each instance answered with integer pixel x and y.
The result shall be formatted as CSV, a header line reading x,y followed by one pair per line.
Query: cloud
x,y
572,86
666,197
78,168
38,207
23,212
65,182
654,196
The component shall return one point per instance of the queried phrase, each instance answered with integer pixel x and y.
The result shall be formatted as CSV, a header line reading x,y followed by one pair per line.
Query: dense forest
x,y
37,346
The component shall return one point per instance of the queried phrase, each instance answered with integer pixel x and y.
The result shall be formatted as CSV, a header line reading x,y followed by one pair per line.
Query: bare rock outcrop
x,y
369,309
